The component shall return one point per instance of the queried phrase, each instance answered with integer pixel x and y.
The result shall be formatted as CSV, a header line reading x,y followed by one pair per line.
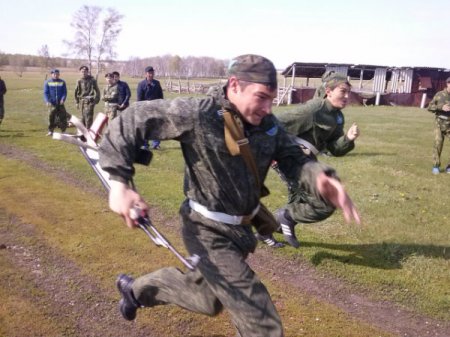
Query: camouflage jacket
x,y
87,88
213,177
439,100
111,94
319,123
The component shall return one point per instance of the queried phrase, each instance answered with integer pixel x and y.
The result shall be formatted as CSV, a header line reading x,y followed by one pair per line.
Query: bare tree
x,y
96,33
19,64
44,57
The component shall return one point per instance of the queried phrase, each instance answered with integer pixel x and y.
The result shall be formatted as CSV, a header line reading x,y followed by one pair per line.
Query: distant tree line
x,y
176,66
165,66
20,62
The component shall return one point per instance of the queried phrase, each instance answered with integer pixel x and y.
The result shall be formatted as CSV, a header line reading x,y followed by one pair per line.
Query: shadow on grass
x,y
382,255
369,154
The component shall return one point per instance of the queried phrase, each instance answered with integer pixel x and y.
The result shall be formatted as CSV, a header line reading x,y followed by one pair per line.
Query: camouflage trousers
x,y
223,279
87,113
111,110
305,205
441,130
57,117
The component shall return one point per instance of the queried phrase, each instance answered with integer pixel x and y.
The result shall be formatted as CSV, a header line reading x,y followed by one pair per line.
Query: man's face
x,y
254,100
84,72
55,76
338,96
110,80
149,75
116,78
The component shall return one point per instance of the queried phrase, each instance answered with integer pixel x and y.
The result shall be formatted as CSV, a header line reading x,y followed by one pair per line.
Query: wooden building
x,y
371,84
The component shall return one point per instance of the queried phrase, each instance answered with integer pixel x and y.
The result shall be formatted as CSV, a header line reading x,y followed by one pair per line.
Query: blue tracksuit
x,y
55,91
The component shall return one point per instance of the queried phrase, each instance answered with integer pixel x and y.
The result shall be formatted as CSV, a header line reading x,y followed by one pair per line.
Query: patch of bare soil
x,y
51,271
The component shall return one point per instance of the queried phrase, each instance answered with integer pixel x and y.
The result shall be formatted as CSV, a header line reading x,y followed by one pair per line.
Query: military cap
x,y
335,79
84,67
448,80
108,75
149,69
253,68
326,75
54,71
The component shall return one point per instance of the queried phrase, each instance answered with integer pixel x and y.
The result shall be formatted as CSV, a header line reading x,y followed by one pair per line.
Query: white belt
x,y
443,117
308,145
222,217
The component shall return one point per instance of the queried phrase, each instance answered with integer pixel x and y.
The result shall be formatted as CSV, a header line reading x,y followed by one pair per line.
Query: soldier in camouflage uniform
x,y
221,194
111,96
87,94
440,106
319,126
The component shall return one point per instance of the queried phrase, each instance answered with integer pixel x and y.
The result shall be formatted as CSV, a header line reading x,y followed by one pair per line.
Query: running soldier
x,y
222,193
111,96
55,94
87,94
319,126
440,106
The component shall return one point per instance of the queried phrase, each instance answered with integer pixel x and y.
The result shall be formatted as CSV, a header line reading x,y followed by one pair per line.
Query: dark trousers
x,y
223,278
57,117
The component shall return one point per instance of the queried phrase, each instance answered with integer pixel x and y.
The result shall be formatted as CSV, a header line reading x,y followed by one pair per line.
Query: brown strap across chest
x,y
238,144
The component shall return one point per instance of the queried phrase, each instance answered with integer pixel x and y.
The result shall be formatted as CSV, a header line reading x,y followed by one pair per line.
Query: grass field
x,y
400,253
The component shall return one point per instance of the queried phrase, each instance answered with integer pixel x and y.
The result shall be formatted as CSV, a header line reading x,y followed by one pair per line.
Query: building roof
x,y
315,70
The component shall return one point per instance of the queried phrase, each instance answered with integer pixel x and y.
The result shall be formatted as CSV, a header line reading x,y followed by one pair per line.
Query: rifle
x,y
86,140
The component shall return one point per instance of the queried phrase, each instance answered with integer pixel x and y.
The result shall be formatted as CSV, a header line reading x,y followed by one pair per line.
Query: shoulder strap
x,y
237,143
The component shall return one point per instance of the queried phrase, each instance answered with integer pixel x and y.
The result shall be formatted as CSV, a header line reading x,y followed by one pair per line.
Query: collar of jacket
x,y
329,107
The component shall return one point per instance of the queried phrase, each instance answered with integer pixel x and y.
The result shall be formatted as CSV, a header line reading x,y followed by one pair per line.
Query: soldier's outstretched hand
x,y
332,190
122,199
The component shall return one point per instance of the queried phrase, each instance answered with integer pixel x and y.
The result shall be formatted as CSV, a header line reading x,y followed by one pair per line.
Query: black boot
x,y
269,240
287,225
128,304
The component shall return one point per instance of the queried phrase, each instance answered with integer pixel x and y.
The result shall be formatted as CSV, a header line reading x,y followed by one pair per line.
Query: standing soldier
x,y
124,92
319,126
148,90
440,106
2,103
222,193
87,94
111,96
55,94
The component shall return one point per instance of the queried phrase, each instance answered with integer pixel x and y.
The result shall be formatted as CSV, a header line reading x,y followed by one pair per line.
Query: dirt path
x,y
49,269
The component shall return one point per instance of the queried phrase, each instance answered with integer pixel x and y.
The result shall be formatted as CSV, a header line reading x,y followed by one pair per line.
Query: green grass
x,y
399,253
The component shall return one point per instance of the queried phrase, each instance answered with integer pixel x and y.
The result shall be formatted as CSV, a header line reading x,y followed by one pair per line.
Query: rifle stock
x,y
89,149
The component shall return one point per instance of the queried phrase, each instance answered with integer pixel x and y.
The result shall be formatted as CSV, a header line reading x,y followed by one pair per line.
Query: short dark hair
x,y
84,67
149,69
107,75
115,73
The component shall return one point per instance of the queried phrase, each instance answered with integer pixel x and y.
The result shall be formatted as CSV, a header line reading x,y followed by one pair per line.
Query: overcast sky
x,y
381,32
